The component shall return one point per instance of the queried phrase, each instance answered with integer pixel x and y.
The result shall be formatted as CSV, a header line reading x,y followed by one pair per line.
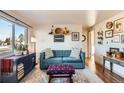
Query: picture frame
x,y
122,39
100,37
75,36
116,39
114,49
58,38
119,25
109,34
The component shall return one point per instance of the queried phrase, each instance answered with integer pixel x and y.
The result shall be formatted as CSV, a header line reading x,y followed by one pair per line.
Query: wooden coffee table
x,y
61,71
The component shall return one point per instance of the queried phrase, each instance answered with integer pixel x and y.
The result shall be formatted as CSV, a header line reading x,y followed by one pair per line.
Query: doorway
x,y
91,46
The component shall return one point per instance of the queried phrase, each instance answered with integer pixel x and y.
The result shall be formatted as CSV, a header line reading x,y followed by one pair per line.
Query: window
x,y
6,28
20,35
11,34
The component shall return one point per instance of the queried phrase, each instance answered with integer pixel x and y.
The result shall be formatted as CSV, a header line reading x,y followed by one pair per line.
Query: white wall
x,y
44,40
100,50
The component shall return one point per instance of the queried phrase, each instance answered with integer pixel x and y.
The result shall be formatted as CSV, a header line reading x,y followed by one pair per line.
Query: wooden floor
x,y
106,76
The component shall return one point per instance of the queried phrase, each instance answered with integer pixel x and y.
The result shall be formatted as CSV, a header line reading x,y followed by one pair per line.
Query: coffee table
x,y
61,71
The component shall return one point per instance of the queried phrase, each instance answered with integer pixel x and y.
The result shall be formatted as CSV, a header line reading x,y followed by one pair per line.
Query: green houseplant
x,y
18,49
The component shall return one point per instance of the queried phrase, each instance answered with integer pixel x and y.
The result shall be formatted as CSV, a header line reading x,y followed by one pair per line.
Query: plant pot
x,y
18,53
25,52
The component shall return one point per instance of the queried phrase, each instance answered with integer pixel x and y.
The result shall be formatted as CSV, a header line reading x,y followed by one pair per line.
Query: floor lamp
x,y
33,40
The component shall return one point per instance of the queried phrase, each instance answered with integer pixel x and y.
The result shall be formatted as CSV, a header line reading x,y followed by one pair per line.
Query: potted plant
x,y
18,49
25,49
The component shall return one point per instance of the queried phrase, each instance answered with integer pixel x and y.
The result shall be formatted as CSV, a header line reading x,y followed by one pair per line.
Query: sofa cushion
x,y
66,53
53,60
48,53
75,53
71,60
58,53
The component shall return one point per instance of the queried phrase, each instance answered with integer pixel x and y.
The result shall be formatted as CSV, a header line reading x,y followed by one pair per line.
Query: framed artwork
x,y
114,49
75,36
109,34
58,38
119,25
122,39
116,39
100,37
109,25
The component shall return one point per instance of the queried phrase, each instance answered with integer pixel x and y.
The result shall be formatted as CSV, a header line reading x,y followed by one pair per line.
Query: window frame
x,y
13,35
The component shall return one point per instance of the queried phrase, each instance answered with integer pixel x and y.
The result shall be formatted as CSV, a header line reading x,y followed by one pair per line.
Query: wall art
x,y
58,38
109,34
109,25
100,37
116,39
119,25
75,36
122,39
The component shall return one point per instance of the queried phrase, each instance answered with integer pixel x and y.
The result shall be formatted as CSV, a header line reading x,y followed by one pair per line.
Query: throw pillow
x,y
48,53
75,53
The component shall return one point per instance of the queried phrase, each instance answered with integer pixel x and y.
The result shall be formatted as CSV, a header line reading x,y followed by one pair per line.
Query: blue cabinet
x,y
22,65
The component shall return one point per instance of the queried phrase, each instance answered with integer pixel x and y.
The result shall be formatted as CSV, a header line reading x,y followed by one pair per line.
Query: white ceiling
x,y
85,17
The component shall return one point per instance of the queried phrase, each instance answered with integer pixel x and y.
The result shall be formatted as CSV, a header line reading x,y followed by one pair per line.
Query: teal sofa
x,y
62,57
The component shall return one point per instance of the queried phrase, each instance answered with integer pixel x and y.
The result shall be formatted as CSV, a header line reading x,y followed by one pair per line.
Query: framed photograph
x,y
58,38
114,49
119,25
109,34
75,36
122,39
116,39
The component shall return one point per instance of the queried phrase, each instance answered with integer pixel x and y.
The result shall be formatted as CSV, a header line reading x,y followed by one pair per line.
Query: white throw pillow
x,y
75,53
48,53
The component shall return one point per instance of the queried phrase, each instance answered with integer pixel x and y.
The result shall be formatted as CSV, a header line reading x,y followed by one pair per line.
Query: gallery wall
x,y
44,40
101,49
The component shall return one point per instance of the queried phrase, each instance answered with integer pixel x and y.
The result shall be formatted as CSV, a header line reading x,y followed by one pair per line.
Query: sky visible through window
x,y
5,29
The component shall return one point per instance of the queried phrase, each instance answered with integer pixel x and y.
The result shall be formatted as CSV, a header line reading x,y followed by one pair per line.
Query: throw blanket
x,y
6,66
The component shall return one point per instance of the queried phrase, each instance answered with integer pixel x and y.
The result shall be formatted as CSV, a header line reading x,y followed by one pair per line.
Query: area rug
x,y
81,76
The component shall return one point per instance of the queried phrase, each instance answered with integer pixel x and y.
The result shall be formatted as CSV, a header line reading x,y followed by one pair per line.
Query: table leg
x,y
103,64
50,78
71,80
111,66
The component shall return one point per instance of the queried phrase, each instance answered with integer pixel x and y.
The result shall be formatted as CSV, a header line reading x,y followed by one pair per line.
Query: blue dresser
x,y
21,66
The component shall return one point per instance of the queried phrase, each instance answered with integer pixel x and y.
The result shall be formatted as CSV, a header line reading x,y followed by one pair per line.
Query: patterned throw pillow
x,y
75,53
48,53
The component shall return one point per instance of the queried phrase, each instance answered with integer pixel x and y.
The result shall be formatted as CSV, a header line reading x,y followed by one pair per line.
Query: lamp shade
x,y
33,39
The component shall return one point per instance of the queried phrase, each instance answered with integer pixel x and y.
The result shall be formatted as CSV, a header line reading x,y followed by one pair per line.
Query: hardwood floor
x,y
106,76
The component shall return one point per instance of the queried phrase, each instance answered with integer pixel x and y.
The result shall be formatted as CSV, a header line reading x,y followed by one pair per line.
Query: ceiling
x,y
85,17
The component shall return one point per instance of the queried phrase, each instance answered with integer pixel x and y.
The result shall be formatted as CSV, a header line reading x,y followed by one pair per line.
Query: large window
x,y
6,30
11,34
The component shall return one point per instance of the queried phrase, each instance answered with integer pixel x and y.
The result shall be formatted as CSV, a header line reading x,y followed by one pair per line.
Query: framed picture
x,y
75,36
100,37
109,34
114,49
58,38
116,39
122,39
119,25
